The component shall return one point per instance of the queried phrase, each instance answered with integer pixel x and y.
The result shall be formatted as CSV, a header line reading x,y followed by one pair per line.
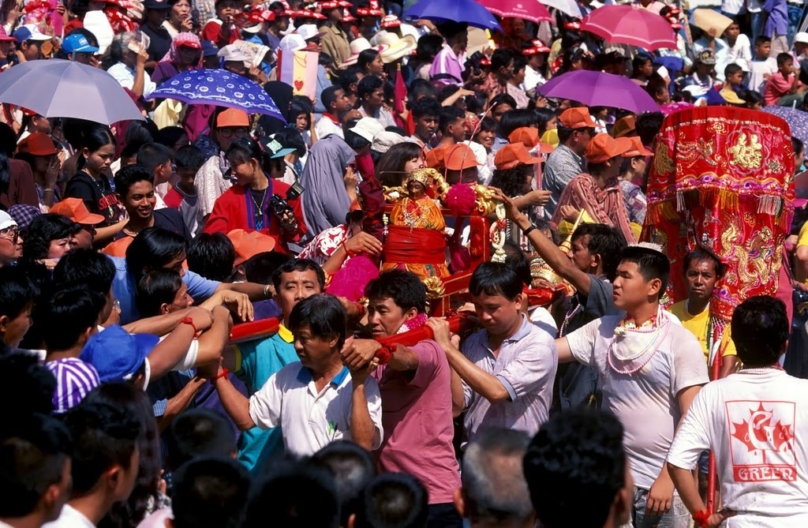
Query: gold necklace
x,y
258,208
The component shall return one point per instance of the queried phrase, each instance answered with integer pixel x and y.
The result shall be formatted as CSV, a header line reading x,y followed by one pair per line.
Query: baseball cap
x,y
209,49
624,126
37,144
233,117
527,136
604,147
276,149
75,379
637,148
74,209
249,243
78,43
801,37
367,128
384,140
435,158
6,221
512,155
117,355
706,57
459,157
308,31
576,118
29,32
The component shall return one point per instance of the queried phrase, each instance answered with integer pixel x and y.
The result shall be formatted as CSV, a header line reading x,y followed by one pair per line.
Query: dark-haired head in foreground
x,y
211,493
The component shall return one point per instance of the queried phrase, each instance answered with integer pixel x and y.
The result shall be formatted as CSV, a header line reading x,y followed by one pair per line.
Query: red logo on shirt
x,y
762,440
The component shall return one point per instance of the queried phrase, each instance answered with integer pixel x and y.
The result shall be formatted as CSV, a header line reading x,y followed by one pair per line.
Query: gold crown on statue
x,y
423,176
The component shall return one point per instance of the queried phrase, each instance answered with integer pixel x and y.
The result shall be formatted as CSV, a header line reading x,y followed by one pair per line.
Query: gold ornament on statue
x,y
434,288
486,200
498,234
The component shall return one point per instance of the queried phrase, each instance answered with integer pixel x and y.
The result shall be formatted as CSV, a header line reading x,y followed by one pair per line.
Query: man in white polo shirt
x,y
317,400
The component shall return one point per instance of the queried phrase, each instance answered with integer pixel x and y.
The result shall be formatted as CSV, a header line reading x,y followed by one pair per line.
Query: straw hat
x,y
359,45
397,47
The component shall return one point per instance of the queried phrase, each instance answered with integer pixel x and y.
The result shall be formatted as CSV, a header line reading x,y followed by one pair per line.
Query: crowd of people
x,y
217,318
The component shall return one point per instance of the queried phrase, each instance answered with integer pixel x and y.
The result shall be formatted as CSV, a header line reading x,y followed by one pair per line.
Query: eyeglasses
x,y
10,233
230,132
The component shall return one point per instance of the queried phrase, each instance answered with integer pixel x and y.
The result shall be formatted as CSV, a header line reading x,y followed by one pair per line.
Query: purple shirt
x,y
74,379
446,62
526,366
417,422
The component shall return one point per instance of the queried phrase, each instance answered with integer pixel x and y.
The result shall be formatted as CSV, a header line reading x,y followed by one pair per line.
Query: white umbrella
x,y
61,88
568,7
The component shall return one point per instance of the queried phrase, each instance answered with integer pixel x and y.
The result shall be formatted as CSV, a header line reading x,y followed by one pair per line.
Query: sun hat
x,y
249,243
233,53
390,22
576,118
78,43
232,117
460,157
367,128
604,147
292,42
731,97
37,144
512,155
309,31
347,16
384,140
397,47
29,32
117,355
74,209
358,45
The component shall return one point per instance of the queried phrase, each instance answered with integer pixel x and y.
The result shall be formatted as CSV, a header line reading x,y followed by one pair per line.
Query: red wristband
x,y
351,254
225,371
190,321
701,518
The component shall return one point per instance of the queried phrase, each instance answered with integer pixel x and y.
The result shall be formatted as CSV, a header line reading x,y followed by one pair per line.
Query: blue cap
x,y
29,32
78,43
209,48
116,354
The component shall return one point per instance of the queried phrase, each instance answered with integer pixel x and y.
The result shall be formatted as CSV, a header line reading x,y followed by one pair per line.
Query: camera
x,y
280,206
476,62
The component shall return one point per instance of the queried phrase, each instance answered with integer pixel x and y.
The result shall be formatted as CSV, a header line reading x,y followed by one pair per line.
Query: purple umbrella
x,y
599,89
797,120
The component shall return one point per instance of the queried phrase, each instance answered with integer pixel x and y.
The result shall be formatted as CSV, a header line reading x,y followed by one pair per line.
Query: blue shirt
x,y
123,286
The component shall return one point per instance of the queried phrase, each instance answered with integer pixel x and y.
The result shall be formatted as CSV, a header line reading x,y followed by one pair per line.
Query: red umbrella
x,y
625,24
527,9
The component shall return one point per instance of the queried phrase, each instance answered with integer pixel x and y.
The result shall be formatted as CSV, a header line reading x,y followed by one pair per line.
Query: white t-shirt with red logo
x,y
756,423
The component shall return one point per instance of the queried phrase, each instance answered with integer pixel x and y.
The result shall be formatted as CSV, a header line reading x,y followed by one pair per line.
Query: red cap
x,y
528,136
513,155
38,144
604,147
249,243
576,118
74,209
459,157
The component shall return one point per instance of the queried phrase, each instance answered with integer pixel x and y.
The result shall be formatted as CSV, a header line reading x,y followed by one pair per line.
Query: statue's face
x,y
416,189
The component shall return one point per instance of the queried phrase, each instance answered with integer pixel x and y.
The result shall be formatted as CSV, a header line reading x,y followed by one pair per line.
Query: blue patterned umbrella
x,y
797,120
218,88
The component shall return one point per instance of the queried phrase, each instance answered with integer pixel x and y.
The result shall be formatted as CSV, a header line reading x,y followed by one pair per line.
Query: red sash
x,y
416,246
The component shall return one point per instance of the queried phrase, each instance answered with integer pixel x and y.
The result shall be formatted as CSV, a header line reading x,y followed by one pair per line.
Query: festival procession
x,y
403,263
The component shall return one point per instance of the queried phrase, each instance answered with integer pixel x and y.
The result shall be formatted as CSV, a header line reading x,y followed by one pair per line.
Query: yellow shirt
x,y
802,239
698,325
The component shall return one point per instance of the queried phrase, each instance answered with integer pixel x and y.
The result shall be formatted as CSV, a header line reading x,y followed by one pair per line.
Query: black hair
x,y
519,62
323,314
349,76
352,468
27,383
565,133
517,259
732,69
648,125
17,292
352,139
651,263
449,115
299,265
783,58
93,140
103,436
495,278
42,230
656,85
211,255
418,88
511,181
450,28
606,241
154,288
762,39
700,254
154,247
514,119
189,158
366,57
329,96
287,494
260,268
300,104
368,85
130,175
542,117
33,453
426,106
390,167
487,124
760,330
139,133
501,58
169,136
394,500
752,97
428,46
69,313
152,155
576,453
85,268
8,140
210,493
244,149
796,144
639,61
403,287
502,98
198,433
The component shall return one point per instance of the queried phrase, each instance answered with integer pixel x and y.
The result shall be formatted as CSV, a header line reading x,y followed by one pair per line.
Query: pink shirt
x,y
417,422
776,87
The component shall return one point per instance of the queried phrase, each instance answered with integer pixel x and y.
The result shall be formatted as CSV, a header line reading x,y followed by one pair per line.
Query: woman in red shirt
x,y
248,204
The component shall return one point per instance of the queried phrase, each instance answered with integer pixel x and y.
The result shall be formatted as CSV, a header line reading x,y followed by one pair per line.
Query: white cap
x,y
292,42
384,140
367,128
6,221
233,52
308,31
801,37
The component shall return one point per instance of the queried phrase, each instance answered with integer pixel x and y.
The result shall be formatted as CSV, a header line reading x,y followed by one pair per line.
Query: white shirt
x,y
756,423
757,71
532,79
311,419
645,401
741,50
70,518
326,126
126,78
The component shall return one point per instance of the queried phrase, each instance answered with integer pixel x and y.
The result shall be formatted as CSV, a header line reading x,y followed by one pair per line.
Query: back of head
x,y
70,313
393,500
103,436
85,267
352,468
514,119
189,158
421,88
648,125
17,291
211,255
26,383
154,247
198,433
603,240
495,278
651,264
152,155
261,267
577,453
404,287
494,488
210,493
33,453
294,495
760,331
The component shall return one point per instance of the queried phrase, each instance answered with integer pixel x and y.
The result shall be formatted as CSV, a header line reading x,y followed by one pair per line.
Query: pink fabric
x,y
197,119
776,87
